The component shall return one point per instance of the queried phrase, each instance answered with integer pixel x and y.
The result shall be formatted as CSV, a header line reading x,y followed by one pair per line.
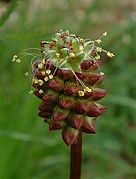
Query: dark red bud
x,y
50,96
46,107
69,135
101,107
71,89
86,64
44,114
56,84
98,94
93,110
49,65
60,114
36,93
80,107
55,125
65,74
88,126
75,120
65,102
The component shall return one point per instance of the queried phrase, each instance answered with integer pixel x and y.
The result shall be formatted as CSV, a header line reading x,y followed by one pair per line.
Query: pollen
x,y
57,55
109,54
31,92
50,77
18,60
101,73
43,72
105,34
35,81
81,48
40,91
98,41
27,73
46,79
88,89
99,49
72,55
40,82
48,71
40,65
81,93
97,57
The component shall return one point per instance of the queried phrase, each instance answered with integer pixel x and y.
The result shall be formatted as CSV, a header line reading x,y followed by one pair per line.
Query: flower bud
x,y
69,135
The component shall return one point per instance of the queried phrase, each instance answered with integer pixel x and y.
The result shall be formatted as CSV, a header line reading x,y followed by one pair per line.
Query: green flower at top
x,y
68,51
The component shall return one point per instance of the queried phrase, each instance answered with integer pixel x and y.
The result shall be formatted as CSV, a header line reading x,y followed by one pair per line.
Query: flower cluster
x,y
67,80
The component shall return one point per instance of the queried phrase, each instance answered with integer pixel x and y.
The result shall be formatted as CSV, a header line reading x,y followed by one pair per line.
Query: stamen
x,y
81,93
40,91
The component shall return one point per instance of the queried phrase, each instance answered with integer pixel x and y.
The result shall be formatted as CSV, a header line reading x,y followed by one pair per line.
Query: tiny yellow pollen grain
x,y
81,40
27,73
98,41
43,72
50,77
97,57
18,60
30,92
40,91
71,54
48,71
40,82
81,93
35,81
101,73
46,79
109,54
57,55
40,65
99,49
81,48
88,89
105,34
43,61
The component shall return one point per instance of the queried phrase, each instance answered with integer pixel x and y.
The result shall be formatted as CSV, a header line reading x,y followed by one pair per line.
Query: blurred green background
x,y
27,149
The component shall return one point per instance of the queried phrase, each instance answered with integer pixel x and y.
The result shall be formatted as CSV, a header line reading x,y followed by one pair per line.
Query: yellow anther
x,y
35,81
31,92
67,32
40,82
15,56
40,91
46,79
81,93
99,49
81,40
61,60
57,55
27,73
98,41
18,60
109,54
81,48
43,61
72,55
40,65
43,72
105,34
50,77
88,89
97,57
48,71
101,73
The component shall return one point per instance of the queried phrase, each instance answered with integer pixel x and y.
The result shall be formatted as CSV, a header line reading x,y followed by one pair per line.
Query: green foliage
x,y
27,148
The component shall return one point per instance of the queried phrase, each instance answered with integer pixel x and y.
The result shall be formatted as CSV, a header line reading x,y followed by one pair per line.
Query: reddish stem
x,y
76,158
